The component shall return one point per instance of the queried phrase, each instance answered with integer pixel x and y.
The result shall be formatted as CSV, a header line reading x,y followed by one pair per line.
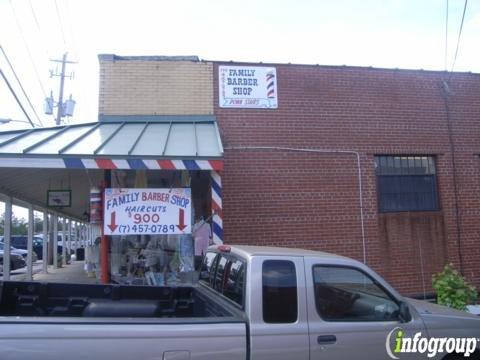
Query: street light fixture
x,y
7,120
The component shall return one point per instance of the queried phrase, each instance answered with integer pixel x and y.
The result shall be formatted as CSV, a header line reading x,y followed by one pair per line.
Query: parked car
x,y
59,242
20,242
16,261
251,303
21,252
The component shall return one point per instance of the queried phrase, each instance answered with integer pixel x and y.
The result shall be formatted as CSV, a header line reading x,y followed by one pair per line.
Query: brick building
x,y
377,164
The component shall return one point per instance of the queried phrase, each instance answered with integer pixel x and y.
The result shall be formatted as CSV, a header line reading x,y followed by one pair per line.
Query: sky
x,y
380,33
407,34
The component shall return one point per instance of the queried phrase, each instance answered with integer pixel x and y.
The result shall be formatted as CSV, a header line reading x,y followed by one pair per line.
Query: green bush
x,y
452,289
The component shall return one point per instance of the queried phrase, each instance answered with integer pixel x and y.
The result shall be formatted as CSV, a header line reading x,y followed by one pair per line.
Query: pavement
x,y
72,273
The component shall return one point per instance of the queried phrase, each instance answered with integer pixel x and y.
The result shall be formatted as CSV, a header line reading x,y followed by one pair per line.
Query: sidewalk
x,y
72,273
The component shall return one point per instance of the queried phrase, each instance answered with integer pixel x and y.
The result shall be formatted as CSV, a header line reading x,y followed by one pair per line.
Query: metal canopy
x,y
187,142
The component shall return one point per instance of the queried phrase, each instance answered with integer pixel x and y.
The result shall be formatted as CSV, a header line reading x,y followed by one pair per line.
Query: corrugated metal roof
x,y
175,138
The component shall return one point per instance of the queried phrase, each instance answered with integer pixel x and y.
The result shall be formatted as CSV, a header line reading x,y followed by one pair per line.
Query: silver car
x,y
16,261
23,253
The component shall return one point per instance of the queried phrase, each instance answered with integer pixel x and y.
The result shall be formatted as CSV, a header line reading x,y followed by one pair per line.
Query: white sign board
x,y
247,87
147,211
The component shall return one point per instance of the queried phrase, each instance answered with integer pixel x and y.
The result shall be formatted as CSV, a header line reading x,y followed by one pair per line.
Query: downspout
x,y
323,151
445,94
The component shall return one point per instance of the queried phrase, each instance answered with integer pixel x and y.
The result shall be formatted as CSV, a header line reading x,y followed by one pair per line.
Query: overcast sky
x,y
380,33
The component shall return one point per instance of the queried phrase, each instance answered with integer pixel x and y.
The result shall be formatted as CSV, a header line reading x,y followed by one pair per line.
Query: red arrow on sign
x,y
181,220
112,225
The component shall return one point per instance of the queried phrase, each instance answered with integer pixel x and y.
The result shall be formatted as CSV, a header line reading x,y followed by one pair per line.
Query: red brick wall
x,y
311,200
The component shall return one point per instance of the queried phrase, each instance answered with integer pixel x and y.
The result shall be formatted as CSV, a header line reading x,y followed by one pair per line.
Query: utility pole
x,y
63,109
60,96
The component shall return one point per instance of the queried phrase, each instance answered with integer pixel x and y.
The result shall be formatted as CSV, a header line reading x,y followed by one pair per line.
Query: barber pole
x,y
217,212
96,211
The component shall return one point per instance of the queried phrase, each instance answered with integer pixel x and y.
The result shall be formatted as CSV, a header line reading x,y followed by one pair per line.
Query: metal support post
x,y
7,232
30,244
64,241
70,233
45,243
55,241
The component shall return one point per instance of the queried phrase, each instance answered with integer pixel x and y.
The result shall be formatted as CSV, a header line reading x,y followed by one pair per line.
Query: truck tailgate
x,y
125,340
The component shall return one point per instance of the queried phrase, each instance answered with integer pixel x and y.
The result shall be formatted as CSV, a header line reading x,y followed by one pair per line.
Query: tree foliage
x,y
20,225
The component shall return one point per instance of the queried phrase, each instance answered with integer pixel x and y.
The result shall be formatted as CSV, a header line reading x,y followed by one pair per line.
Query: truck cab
x,y
304,304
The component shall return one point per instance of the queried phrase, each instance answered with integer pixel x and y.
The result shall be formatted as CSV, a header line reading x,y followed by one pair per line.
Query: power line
x,y
44,48
16,98
72,35
458,40
27,47
60,22
77,52
34,15
21,86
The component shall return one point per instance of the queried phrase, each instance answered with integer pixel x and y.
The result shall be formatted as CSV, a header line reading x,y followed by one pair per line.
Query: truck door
x,y
278,317
352,315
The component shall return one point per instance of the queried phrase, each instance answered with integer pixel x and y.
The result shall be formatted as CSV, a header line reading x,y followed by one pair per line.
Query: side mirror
x,y
404,312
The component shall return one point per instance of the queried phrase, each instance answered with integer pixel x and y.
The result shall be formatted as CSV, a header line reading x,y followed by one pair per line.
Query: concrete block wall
x,y
155,86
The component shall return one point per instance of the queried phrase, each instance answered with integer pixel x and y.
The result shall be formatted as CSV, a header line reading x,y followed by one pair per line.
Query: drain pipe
x,y
323,151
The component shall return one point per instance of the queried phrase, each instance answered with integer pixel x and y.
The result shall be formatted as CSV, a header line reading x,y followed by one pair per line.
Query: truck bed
x,y
79,300
49,320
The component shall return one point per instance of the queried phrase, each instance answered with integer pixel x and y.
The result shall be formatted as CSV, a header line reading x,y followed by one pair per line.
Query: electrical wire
x,y
44,48
458,40
77,53
70,29
16,98
60,22
35,15
21,86
27,48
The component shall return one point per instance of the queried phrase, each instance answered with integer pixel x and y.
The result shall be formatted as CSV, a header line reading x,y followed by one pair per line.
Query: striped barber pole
x,y
270,84
105,163
217,212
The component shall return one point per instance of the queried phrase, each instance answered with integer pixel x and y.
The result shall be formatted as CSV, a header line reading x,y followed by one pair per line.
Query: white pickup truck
x,y
251,303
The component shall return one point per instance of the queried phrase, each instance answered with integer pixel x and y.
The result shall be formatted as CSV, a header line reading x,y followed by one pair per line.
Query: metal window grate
x,y
406,183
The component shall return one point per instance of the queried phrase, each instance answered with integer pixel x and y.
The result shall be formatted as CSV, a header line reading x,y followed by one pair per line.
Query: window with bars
x,y
406,183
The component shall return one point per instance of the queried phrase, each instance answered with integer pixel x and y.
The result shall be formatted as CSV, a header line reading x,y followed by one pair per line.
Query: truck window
x,y
235,279
218,282
348,294
279,282
225,274
208,267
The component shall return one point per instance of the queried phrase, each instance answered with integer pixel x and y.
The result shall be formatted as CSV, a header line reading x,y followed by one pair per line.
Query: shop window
x,y
347,294
406,183
279,281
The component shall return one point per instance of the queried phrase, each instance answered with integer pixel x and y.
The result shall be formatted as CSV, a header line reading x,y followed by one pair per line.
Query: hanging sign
x,y
247,87
147,211
59,198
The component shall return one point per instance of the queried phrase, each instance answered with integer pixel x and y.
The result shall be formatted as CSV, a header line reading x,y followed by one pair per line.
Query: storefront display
x,y
165,259
158,260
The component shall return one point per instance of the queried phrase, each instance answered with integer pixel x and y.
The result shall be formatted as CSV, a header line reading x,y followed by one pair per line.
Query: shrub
x,y
452,289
